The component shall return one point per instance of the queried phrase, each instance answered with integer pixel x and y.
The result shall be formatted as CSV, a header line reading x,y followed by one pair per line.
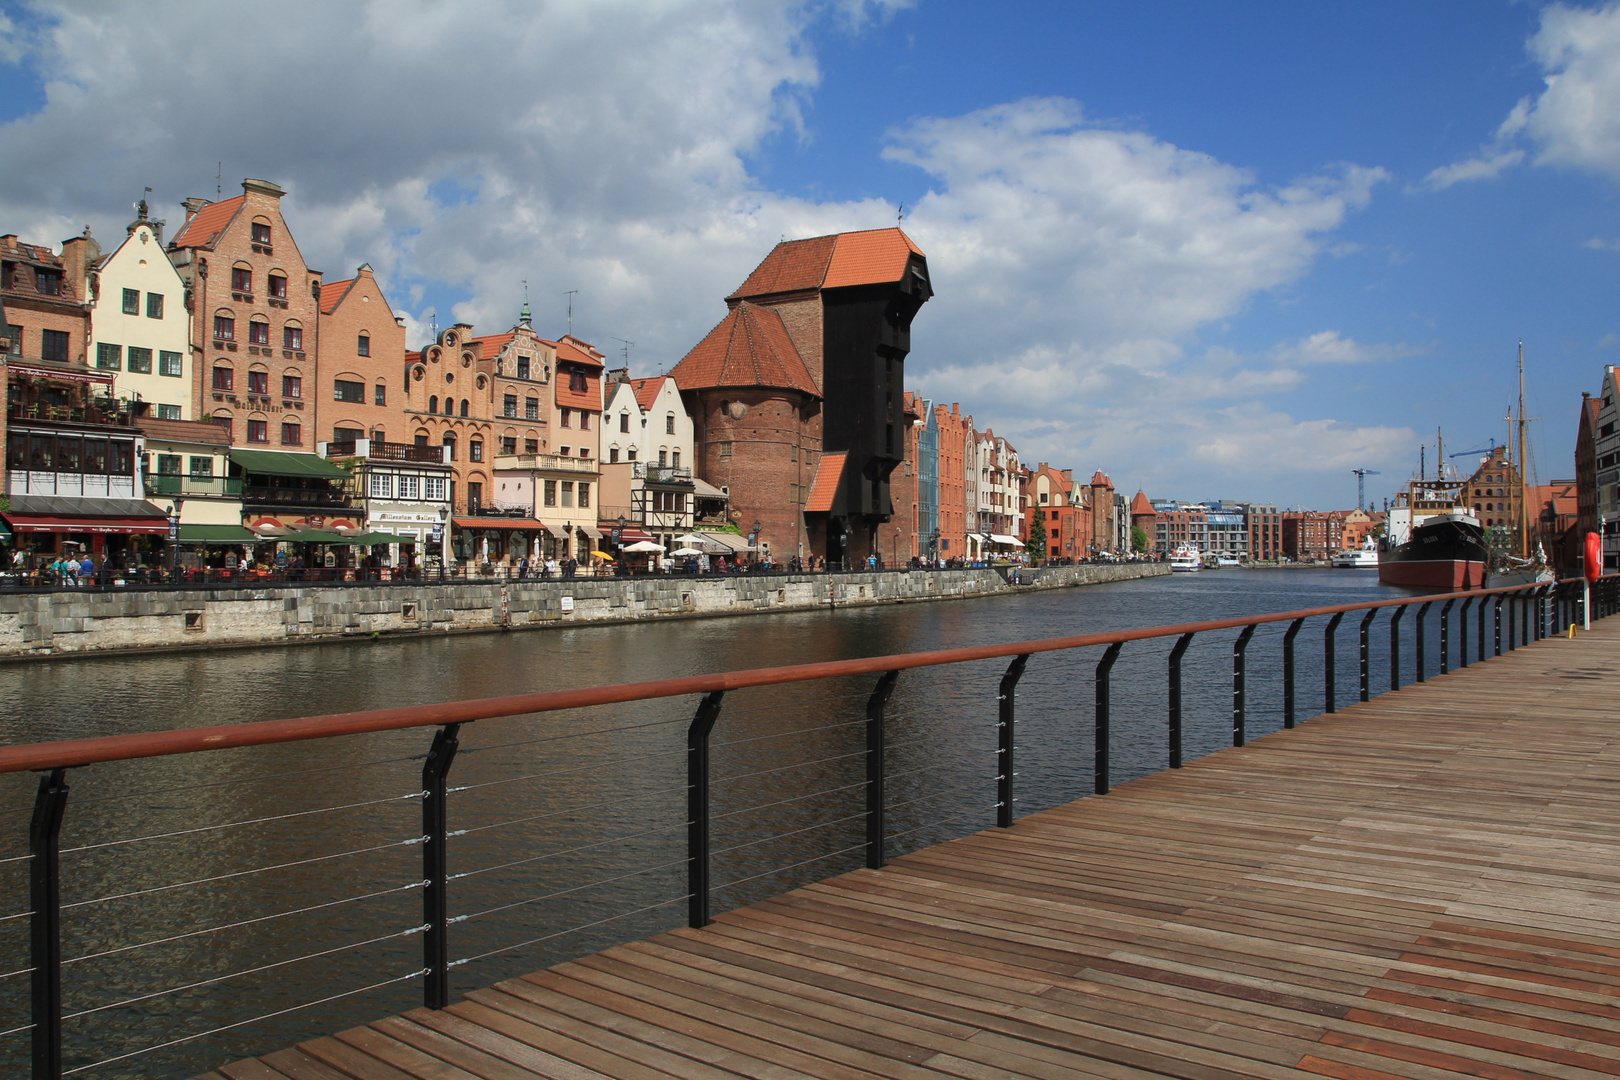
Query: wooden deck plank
x,y
1419,887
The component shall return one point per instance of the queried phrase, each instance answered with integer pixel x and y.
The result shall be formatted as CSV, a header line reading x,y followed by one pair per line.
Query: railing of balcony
x,y
185,484
381,450
546,462
647,470
292,496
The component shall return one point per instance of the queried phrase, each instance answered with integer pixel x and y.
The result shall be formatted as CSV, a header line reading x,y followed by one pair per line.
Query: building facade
x,y
139,328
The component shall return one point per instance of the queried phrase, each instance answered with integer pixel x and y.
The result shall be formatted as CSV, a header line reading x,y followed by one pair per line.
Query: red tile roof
x,y
206,224
490,347
1098,479
830,262
569,349
332,293
646,390
825,485
750,347
1141,505
184,431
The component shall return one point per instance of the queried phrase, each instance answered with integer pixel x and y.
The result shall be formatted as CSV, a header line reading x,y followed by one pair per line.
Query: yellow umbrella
x,y
602,555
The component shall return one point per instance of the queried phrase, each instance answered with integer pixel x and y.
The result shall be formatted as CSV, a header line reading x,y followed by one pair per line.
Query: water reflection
x,y
571,826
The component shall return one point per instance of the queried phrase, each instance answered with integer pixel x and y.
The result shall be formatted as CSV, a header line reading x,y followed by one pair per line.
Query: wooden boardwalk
x,y
1424,886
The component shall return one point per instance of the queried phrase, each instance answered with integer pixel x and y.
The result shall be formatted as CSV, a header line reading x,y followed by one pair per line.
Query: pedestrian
x,y
523,568
87,570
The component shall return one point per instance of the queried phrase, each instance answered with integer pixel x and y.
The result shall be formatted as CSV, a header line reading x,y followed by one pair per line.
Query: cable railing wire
x,y
566,892
787,768
790,866
609,842
473,829
593,767
570,930
572,735
241,824
787,802
785,835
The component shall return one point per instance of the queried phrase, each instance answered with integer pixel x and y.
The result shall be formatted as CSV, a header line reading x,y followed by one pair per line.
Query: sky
x,y
1223,250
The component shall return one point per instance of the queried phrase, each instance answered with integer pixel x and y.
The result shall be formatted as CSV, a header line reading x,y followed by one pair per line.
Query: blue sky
x,y
1228,250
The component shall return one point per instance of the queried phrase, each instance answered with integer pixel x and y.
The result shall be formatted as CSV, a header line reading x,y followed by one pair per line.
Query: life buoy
x,y
1593,567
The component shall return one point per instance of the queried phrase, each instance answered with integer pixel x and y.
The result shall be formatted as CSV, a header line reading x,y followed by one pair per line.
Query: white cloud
x,y
1575,121
1599,243
1330,347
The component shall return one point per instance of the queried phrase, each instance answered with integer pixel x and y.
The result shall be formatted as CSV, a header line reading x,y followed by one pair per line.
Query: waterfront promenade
x,y
1425,885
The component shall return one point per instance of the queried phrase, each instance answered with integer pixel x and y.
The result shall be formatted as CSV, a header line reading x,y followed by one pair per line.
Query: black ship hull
x,y
1444,556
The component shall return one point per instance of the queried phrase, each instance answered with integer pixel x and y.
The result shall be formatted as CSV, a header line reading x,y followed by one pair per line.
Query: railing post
x,y
1484,609
1100,757
1175,698
1288,671
1496,626
874,767
1422,611
697,809
1524,614
1330,695
1511,601
45,922
1005,732
1462,633
1366,654
435,899
1240,648
1395,647
1445,635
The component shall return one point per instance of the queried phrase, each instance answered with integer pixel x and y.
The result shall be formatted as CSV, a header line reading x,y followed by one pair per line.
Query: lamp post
x,y
753,537
174,537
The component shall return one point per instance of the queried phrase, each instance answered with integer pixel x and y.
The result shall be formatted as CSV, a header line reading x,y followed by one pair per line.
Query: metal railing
x,y
186,484
1503,619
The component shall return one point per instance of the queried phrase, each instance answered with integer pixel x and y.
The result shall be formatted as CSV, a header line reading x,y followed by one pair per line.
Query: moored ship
x,y
1431,540
1186,559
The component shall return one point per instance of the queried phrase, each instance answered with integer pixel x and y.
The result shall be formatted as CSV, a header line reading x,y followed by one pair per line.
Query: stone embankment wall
x,y
72,622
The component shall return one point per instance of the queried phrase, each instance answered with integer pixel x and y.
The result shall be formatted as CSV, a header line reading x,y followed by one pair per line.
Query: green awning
x,y
217,534
315,536
275,463
370,538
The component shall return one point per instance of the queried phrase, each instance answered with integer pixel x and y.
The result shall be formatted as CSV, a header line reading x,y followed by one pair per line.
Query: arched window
x,y
433,403
363,346
449,442
475,450
464,405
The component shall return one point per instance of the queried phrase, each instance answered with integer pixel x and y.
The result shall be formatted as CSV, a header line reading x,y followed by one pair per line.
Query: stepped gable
x,y
750,347
871,257
208,224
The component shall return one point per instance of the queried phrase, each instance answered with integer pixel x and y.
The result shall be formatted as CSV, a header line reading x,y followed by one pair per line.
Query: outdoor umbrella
x,y
686,551
689,539
602,555
645,545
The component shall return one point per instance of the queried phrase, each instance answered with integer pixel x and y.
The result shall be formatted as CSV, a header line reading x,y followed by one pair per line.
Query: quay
x,y
1424,885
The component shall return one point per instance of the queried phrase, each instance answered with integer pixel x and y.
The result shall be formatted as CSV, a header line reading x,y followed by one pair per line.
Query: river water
x,y
241,884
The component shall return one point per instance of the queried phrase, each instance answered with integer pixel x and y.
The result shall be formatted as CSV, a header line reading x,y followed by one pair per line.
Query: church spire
x,y
524,316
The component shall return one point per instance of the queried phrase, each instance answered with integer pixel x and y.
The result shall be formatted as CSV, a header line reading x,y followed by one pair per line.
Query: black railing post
x,y
45,922
1445,635
1421,659
1366,653
874,767
1100,757
1511,601
1462,633
1288,671
1175,698
1496,627
697,809
1395,647
1240,649
1006,729
1330,695
1525,599
435,899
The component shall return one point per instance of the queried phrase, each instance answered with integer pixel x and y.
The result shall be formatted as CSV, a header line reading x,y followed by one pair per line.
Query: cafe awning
x,y
61,523
1002,538
590,531
218,534
51,371
527,524
316,536
276,463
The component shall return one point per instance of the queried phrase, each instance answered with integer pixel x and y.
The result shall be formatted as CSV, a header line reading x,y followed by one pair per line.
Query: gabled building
x,y
1060,507
139,329
646,458
955,433
1606,453
254,314
797,394
361,375
927,479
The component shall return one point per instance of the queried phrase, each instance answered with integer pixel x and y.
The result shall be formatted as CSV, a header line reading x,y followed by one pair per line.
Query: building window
x,y
433,403
53,345
363,346
675,458
349,435
292,337
261,233
531,446
568,418
200,468
475,450
463,407
49,282
624,421
663,457
14,334
450,446
292,434
109,357
241,279
343,390
140,360
584,496
168,412
259,382
550,493
224,378
168,464
613,455
226,425
508,444
568,493
132,301
630,455
224,328
531,408
433,489
154,305
408,487
382,485
584,421
523,367
669,424
169,363
475,497
380,397
258,332
576,381
509,405
258,431
725,449
277,286
292,386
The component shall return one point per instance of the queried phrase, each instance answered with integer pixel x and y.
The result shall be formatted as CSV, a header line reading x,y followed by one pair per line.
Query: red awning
x,y
62,523
634,536
521,524
72,374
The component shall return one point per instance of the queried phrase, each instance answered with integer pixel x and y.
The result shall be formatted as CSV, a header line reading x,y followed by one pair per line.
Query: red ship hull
x,y
1443,575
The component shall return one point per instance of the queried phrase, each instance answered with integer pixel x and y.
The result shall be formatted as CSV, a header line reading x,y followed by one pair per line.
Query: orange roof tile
x,y
792,266
567,349
490,346
822,489
1140,505
332,293
206,224
646,390
191,431
873,257
750,347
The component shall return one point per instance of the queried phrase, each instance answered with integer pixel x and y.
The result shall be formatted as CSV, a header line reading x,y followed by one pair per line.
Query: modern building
x,y
1177,523
1606,455
797,394
140,330
927,426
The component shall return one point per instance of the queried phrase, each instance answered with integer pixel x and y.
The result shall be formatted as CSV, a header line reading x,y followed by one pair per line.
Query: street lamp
x,y
174,536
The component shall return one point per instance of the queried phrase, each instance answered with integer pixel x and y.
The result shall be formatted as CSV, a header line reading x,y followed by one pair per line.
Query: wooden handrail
x,y
74,753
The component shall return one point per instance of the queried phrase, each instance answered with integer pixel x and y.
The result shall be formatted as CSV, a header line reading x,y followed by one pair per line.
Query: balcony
x,y
221,487
293,496
662,474
379,450
545,463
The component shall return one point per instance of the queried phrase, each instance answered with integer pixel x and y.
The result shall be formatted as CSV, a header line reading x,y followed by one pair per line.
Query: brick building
x,y
797,394
900,538
955,433
1056,501
361,379
1104,514
1312,534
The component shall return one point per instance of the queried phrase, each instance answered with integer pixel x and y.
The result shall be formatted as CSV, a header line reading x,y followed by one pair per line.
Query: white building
x,y
646,457
139,332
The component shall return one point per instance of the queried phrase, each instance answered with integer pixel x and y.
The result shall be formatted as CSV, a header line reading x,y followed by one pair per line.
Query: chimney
x,y
262,187
192,205
79,257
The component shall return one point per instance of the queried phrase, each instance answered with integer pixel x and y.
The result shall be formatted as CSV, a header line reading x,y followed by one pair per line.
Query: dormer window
x,y
49,282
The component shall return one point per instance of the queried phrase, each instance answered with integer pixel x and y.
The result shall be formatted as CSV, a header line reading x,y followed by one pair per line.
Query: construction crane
x,y
1491,449
1361,485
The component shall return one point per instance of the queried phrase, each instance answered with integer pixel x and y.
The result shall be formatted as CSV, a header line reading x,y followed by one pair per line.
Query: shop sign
x,y
316,521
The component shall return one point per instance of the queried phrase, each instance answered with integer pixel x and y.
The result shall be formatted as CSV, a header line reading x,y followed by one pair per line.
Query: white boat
x,y
1363,557
1185,559
1226,560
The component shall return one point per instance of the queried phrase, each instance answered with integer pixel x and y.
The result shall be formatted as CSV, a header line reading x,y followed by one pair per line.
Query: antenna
x,y
219,180
626,350
901,215
571,293
433,321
